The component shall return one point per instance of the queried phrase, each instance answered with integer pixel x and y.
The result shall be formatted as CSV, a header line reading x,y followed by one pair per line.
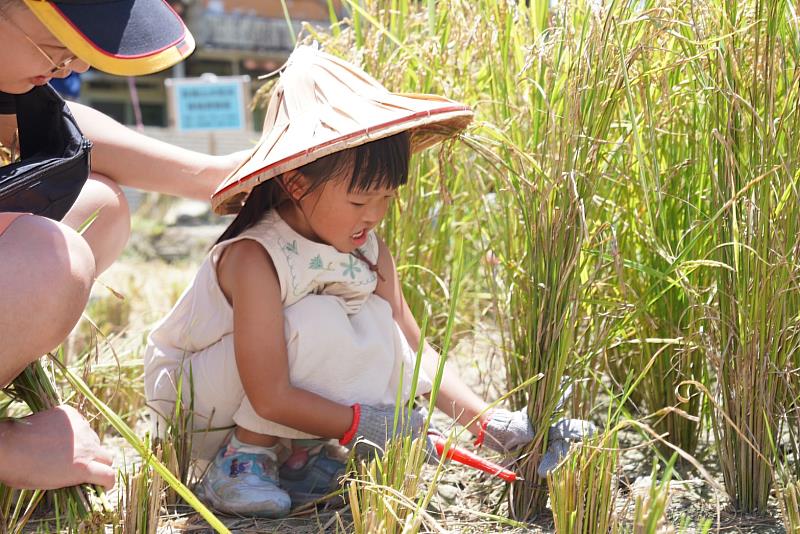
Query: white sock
x,y
248,448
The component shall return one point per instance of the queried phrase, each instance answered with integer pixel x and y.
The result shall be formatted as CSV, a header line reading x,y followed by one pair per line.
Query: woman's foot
x,y
243,480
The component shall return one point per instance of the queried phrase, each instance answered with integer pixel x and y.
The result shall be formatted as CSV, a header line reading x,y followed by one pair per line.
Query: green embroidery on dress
x,y
291,247
351,267
289,250
315,263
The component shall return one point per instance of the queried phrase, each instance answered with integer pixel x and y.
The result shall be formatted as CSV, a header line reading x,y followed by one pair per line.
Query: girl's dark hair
x,y
382,163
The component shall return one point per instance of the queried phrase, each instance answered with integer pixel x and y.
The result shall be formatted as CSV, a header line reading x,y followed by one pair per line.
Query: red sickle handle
x,y
470,459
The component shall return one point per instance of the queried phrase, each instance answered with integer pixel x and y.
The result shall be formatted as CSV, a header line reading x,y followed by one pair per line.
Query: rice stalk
x,y
581,493
142,501
662,206
554,101
547,130
176,444
648,516
753,324
147,455
789,498
17,507
387,494
81,507
789,442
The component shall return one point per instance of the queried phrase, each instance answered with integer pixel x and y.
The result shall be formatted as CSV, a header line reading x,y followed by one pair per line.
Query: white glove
x,y
561,436
376,425
506,431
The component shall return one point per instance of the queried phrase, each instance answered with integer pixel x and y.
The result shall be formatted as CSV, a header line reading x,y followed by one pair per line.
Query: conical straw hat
x,y
322,105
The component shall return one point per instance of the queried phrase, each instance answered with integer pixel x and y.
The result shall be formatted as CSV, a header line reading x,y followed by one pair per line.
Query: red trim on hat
x,y
340,139
91,43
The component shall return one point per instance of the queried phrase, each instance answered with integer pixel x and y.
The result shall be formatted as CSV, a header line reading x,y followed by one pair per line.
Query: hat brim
x,y
426,128
122,37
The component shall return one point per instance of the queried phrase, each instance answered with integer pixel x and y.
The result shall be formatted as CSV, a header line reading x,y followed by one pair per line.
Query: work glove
x,y
559,439
375,425
506,431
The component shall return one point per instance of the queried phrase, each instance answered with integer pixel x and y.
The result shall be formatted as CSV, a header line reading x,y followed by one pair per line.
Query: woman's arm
x,y
455,398
247,277
136,160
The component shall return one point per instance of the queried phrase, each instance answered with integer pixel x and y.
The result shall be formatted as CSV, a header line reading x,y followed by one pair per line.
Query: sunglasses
x,y
56,66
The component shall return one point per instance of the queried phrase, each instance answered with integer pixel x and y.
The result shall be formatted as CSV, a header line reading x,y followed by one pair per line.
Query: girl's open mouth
x,y
358,237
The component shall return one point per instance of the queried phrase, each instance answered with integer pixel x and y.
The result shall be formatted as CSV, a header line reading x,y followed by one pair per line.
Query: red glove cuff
x,y
482,430
351,432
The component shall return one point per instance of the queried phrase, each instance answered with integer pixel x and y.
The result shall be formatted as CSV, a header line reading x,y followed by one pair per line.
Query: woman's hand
x,y
53,449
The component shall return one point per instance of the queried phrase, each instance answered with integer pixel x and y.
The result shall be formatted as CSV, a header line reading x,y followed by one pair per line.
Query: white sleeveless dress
x,y
342,340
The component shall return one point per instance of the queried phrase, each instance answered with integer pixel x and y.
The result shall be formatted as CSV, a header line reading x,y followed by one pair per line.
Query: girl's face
x,y
30,54
332,215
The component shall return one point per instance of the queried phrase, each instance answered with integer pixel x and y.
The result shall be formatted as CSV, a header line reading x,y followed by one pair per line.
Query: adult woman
x,y
46,267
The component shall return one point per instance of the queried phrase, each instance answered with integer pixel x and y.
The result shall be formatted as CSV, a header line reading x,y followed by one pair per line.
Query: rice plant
x,y
551,160
582,491
632,175
387,494
176,445
79,507
648,516
659,235
141,503
17,507
547,85
112,369
144,451
789,497
753,321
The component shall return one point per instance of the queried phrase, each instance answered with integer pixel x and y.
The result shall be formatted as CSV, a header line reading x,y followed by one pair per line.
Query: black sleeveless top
x,y
54,162
7,104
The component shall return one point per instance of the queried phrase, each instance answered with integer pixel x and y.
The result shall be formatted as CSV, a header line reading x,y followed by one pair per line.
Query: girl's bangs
x,y
381,164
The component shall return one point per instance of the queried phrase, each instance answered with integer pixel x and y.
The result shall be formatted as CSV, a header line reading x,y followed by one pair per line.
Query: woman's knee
x,y
48,271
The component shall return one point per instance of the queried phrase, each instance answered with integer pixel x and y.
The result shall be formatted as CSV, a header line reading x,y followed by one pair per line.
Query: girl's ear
x,y
294,184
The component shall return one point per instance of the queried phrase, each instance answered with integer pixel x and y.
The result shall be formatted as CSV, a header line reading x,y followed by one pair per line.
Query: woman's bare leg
x,y
46,274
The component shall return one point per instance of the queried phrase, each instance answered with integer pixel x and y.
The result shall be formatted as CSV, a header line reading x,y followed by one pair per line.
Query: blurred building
x,y
234,37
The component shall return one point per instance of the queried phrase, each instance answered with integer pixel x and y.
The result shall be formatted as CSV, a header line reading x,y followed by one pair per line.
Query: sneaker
x,y
313,472
245,483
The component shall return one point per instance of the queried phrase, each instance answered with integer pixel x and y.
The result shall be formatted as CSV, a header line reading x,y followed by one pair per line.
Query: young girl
x,y
296,326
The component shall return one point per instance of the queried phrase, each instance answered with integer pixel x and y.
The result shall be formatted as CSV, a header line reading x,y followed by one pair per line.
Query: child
x,y
295,326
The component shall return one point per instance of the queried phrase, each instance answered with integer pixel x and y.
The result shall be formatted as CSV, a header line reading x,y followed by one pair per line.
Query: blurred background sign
x,y
208,103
